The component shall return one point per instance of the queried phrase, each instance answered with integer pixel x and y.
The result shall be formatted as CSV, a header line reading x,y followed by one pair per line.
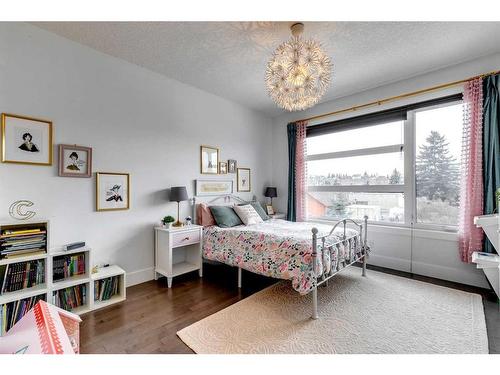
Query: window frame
x,y
408,188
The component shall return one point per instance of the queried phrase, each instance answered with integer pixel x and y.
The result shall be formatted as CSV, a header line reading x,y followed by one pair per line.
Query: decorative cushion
x,y
204,215
225,217
248,214
257,206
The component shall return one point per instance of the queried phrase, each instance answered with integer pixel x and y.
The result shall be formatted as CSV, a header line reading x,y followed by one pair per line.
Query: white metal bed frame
x,y
362,231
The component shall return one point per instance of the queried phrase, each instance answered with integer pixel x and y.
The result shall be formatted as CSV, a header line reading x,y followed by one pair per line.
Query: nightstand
x,y
278,216
178,251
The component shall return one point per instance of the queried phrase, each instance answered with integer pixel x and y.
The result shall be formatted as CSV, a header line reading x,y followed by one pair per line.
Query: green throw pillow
x,y
259,209
225,217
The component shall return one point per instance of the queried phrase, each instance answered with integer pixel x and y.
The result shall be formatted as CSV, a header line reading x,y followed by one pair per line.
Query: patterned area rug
x,y
379,313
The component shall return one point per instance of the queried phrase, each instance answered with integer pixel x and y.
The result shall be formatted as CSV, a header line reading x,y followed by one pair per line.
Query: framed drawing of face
x,y
112,191
75,161
222,167
209,160
231,166
243,179
26,140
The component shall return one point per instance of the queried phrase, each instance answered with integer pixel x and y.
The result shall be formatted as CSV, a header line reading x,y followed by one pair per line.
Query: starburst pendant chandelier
x,y
298,74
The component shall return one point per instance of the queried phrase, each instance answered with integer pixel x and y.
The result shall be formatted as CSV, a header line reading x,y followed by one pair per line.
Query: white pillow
x,y
248,214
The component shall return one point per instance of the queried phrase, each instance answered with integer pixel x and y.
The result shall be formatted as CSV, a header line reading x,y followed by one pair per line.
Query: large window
x,y
438,143
402,172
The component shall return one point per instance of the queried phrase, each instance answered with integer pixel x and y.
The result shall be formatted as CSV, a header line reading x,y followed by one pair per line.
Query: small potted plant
x,y
167,221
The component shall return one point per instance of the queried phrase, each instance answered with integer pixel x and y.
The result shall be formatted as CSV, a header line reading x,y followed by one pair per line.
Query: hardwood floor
x,y
148,320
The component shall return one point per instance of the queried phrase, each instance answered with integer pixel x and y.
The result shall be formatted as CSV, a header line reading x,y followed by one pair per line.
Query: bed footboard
x,y
362,232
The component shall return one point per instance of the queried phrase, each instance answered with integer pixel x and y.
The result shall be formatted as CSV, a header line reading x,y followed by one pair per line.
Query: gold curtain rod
x,y
398,97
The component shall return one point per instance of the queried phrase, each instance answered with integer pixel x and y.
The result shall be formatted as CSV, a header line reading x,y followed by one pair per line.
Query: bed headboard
x,y
224,200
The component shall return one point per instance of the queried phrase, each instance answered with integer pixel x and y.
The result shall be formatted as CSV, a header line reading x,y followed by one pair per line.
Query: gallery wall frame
x,y
112,191
26,140
75,161
209,159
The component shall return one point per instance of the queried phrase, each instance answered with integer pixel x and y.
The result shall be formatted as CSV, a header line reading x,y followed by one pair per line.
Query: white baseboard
x,y
140,276
389,262
468,276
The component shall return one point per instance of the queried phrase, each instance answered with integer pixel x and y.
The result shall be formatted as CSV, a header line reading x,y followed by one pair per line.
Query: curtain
x,y
292,143
491,145
297,153
471,186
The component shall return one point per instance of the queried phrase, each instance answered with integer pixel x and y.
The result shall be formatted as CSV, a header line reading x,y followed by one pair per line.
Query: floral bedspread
x,y
281,249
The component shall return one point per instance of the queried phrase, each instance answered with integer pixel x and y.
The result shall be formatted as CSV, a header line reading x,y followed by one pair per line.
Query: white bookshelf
x,y
104,273
50,286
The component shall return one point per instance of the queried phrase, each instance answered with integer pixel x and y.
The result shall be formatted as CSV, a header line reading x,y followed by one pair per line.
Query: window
x,y
357,172
438,143
401,168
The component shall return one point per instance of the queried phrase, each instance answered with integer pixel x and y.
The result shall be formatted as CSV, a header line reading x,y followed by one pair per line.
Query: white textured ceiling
x,y
229,58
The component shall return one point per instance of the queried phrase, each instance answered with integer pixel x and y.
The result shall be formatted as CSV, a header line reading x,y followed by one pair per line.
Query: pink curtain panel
x,y
471,186
301,171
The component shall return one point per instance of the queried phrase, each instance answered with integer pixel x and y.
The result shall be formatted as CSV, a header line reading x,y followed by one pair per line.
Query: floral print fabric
x,y
282,249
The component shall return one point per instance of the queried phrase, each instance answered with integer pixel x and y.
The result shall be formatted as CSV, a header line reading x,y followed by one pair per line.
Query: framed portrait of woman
x,y
26,140
112,191
75,161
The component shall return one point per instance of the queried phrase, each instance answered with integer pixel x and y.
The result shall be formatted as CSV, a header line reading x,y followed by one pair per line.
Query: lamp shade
x,y
271,192
178,194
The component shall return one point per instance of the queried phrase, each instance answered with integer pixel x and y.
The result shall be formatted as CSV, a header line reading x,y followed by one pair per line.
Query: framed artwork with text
x,y
75,161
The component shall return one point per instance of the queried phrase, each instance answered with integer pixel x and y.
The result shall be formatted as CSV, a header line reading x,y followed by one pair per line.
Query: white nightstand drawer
x,y
185,238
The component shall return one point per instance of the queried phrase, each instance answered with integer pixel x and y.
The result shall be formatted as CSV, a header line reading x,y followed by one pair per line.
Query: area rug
x,y
379,313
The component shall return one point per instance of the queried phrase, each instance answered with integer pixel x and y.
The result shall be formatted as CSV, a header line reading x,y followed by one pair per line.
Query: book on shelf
x,y
22,275
26,242
12,312
71,297
104,289
65,266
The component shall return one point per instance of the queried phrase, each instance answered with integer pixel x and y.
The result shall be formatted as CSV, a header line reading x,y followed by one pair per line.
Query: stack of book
x,y
71,298
68,265
16,243
17,276
106,288
12,312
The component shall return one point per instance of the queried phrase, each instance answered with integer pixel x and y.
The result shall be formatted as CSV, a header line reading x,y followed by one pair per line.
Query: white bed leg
x,y
239,277
315,303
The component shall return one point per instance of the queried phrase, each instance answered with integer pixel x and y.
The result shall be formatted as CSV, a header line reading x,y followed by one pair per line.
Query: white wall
x,y
136,121
423,252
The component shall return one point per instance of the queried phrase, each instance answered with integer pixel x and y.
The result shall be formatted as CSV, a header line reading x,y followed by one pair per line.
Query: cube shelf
x,y
49,288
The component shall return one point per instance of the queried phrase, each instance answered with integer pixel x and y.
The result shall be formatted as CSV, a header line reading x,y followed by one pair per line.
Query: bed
x,y
305,253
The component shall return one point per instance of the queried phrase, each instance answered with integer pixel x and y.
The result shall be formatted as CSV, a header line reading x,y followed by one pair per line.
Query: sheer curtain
x,y
471,186
301,171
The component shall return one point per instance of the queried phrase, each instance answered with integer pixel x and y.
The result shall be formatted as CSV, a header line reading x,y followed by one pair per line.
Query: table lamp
x,y
178,194
271,192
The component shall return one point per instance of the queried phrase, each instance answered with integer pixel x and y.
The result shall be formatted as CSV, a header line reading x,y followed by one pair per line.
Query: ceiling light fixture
x,y
299,72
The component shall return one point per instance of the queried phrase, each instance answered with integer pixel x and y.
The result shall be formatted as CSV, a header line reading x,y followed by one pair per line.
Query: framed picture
x,y
26,140
75,161
209,160
231,166
222,167
112,191
243,178
269,209
214,187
